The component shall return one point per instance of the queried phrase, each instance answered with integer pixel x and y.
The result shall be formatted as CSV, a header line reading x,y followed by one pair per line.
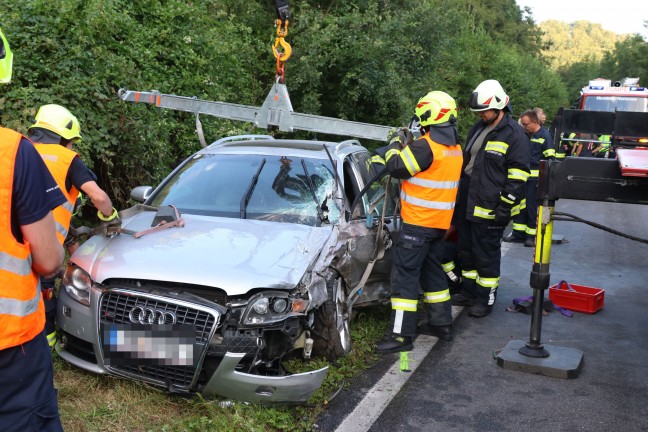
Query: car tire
x,y
332,327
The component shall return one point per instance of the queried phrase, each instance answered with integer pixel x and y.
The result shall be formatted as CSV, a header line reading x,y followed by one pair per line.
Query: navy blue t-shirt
x,y
35,193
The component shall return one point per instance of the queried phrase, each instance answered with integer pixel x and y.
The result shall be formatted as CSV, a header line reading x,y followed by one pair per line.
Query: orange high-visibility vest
x,y
58,160
22,312
428,198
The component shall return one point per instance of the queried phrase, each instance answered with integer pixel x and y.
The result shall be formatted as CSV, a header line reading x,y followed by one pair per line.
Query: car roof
x,y
262,144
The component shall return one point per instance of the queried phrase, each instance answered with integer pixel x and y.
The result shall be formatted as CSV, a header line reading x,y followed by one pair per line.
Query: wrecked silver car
x,y
251,251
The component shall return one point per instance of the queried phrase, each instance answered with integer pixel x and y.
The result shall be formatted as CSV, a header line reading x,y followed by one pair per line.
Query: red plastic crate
x,y
578,298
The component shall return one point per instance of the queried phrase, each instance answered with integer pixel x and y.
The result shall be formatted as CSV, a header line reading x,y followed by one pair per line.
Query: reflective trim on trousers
x,y
436,297
404,304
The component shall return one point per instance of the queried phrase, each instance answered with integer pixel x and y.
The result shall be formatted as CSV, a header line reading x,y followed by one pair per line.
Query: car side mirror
x,y
141,193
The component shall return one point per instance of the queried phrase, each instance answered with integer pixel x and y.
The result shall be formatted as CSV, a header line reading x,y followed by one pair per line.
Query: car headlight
x,y
272,306
77,283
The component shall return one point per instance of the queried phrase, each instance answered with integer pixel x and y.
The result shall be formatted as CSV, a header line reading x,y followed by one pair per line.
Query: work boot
x,y
443,332
462,299
529,242
479,310
394,344
512,238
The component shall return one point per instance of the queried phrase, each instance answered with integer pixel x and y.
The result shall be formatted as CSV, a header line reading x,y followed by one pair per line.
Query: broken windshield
x,y
286,189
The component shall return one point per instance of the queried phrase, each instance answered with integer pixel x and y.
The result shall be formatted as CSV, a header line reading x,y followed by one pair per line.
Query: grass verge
x,y
90,402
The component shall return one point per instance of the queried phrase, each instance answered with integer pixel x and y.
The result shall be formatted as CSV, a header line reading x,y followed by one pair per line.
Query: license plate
x,y
150,345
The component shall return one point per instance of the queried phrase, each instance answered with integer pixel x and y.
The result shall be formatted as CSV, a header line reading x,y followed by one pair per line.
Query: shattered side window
x,y
264,187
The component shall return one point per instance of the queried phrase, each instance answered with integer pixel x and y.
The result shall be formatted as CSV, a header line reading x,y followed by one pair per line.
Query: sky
x,y
618,16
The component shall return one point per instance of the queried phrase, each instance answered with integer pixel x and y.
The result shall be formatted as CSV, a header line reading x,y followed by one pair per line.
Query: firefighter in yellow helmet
x,y
29,250
53,134
430,168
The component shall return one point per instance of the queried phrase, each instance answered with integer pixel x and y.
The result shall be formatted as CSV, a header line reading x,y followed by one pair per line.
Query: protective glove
x,y
502,215
396,138
503,210
110,225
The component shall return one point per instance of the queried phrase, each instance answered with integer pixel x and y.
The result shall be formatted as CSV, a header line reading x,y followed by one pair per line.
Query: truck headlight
x,y
77,283
272,306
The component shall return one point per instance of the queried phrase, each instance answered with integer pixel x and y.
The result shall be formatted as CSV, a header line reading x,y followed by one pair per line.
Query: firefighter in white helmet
x,y
496,159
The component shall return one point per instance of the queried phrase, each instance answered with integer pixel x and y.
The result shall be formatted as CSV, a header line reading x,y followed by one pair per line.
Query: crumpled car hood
x,y
232,254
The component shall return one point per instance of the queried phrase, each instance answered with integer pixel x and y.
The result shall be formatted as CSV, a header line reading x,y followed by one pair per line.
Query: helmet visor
x,y
474,103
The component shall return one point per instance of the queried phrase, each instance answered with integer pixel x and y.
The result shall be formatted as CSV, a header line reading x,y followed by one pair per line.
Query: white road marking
x,y
378,398
381,394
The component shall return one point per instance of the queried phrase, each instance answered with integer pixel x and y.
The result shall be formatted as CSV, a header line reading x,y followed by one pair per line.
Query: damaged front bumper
x,y
82,347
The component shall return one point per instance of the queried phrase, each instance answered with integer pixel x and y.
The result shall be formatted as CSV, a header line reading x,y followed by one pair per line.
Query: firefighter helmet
x,y
436,108
6,60
59,120
488,95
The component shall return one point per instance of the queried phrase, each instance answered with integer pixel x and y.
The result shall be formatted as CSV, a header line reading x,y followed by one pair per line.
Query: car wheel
x,y
332,328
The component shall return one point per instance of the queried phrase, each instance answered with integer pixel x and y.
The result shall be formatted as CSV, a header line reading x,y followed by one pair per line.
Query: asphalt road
x,y
458,385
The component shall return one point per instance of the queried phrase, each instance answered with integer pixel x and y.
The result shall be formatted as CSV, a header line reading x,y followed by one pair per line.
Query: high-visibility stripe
x,y
538,140
21,267
506,200
432,183
20,308
469,274
449,266
487,282
483,213
398,321
51,339
410,161
496,146
517,174
404,304
549,153
439,205
534,173
391,153
560,155
531,231
519,227
436,297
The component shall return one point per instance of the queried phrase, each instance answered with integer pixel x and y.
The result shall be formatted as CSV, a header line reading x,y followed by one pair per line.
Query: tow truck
x,y
618,115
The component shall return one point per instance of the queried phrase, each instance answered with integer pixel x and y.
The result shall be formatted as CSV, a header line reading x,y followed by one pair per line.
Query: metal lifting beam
x,y
276,111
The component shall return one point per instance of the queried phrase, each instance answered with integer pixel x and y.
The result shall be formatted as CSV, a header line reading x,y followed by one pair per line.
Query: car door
x,y
375,217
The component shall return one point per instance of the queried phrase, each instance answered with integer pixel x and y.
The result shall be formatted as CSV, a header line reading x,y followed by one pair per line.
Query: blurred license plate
x,y
150,345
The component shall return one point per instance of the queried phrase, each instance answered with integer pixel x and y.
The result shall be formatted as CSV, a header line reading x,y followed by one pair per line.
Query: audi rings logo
x,y
147,315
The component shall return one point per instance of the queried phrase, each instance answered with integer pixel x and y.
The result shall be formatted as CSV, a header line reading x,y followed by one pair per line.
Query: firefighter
x,y
496,168
542,148
29,249
53,133
430,168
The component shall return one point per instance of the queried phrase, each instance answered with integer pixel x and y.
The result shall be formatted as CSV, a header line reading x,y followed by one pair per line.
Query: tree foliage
x,y
362,60
579,41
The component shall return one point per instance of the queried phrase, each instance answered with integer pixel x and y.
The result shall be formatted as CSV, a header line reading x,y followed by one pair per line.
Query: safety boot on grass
x,y
443,332
479,310
396,343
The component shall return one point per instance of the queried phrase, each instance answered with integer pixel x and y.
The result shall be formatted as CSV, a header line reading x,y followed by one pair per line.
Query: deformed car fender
x,y
229,383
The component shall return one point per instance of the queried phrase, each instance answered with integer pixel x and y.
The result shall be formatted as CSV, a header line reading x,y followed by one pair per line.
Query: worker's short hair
x,y
538,110
532,115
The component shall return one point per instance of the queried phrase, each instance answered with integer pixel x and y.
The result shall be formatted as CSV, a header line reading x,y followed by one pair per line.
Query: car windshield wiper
x,y
248,192
311,187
